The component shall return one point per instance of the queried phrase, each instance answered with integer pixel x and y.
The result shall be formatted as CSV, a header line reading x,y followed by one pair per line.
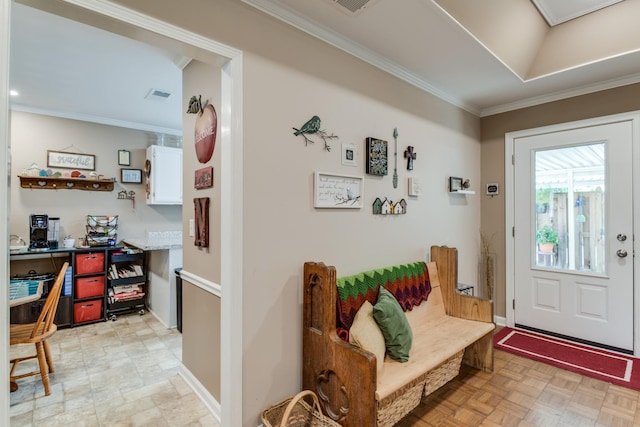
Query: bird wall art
x,y
312,127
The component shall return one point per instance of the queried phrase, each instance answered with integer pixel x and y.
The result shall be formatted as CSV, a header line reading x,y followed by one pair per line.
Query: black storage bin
x,y
179,298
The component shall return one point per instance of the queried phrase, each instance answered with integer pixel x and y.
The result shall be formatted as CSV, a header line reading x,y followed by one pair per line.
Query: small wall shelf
x,y
463,192
54,183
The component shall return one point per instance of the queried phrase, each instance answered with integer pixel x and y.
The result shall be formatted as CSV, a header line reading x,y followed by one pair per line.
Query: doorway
x,y
571,211
231,182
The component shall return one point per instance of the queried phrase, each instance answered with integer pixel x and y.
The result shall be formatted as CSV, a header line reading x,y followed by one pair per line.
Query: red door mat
x,y
607,366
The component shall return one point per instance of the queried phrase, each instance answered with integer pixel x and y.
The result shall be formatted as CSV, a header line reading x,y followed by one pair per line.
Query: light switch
x,y
192,228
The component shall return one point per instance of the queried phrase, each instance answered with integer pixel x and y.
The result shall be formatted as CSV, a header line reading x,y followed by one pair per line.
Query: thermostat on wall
x,y
493,189
414,187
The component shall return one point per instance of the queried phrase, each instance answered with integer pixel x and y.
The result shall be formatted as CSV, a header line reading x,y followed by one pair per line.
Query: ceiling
x,y
65,68
68,69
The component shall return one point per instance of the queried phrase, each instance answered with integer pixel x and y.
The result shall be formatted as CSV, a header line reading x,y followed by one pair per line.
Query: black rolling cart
x,y
127,283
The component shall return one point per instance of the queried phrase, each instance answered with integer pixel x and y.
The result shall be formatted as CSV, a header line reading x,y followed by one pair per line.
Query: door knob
x,y
621,237
621,253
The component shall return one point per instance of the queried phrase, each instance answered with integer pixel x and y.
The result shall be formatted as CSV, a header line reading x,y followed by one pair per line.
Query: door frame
x,y
231,195
509,187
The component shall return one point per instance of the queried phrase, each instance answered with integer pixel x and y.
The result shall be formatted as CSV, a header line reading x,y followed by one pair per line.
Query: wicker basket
x,y
295,412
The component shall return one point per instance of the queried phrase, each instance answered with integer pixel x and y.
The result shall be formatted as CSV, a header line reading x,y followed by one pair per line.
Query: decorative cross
x,y
410,156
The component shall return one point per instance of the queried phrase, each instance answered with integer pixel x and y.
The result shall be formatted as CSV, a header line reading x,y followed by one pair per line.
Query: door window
x,y
570,191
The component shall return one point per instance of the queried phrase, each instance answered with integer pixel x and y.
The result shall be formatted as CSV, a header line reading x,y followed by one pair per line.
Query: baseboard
x,y
500,321
209,401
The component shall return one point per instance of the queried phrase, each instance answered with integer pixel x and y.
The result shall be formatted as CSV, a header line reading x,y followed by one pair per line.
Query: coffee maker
x,y
53,232
38,232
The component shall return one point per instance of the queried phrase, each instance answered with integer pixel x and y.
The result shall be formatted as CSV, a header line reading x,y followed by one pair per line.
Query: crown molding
x,y
557,96
96,119
367,55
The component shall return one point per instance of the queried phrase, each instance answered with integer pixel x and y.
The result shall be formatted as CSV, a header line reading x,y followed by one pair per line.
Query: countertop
x,y
157,241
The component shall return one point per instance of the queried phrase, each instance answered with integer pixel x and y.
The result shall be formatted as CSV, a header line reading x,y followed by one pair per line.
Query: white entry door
x,y
574,188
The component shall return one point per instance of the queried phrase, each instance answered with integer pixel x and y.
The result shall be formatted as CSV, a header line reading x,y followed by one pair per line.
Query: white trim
x,y
209,401
5,26
231,195
231,236
96,119
367,55
509,192
500,321
202,283
557,96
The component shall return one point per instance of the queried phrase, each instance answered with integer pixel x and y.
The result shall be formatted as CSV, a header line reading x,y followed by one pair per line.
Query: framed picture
x,y
455,184
376,156
349,154
131,176
65,160
338,191
204,178
124,158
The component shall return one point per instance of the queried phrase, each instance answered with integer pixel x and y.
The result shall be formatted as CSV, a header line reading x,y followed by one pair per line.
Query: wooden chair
x,y
38,333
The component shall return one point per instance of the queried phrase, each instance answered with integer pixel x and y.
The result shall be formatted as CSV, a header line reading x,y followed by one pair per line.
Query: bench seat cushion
x,y
436,338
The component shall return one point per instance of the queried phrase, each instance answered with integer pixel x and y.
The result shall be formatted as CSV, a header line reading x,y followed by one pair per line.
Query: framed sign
x,y
124,158
64,160
338,191
376,156
131,176
455,184
204,178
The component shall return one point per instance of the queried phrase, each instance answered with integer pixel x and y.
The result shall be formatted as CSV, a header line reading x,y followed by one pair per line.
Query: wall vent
x,y
158,95
354,6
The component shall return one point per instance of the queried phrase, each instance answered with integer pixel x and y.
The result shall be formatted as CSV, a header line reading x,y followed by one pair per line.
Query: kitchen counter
x,y
158,240
164,255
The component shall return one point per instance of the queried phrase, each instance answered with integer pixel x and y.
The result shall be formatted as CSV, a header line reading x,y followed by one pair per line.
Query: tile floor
x,y
122,373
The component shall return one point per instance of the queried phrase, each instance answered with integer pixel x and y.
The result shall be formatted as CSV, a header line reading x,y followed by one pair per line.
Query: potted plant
x,y
547,238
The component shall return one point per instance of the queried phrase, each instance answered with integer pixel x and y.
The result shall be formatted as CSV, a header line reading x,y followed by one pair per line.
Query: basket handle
x,y
294,400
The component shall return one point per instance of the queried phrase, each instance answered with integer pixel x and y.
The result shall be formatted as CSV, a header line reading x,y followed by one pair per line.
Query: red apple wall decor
x,y
205,129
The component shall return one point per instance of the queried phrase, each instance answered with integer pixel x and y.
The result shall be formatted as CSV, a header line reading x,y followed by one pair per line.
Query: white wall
x,y
33,134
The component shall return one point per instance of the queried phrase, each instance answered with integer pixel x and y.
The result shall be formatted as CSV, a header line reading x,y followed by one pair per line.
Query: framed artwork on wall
x,y
65,160
377,162
349,153
338,191
131,176
124,158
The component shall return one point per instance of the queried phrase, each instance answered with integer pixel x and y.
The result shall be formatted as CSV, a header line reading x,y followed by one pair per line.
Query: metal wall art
x,y
387,207
376,156
312,127
395,158
206,128
410,156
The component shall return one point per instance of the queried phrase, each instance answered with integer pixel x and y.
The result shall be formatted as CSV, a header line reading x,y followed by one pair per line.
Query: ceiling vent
x,y
158,95
354,7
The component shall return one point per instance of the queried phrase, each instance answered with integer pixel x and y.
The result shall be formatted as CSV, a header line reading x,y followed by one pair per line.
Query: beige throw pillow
x,y
365,333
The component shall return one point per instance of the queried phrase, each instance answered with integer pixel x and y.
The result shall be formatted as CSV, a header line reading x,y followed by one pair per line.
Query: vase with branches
x,y
486,267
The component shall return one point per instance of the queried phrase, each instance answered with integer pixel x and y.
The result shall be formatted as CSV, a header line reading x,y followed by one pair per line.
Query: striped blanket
x,y
409,283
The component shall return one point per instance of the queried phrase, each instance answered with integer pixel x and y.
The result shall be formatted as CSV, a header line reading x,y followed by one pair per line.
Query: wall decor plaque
x,y
377,161
65,160
338,191
204,178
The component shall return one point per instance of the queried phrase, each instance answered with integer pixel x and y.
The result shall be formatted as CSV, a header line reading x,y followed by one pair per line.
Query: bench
x,y
448,329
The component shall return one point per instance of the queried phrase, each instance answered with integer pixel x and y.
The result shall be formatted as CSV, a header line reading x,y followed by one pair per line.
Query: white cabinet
x,y
164,175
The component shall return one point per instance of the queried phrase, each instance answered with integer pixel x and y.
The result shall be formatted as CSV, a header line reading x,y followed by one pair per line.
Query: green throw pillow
x,y
394,326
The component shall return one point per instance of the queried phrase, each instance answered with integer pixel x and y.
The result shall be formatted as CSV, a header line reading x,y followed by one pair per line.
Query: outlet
x,y
192,228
